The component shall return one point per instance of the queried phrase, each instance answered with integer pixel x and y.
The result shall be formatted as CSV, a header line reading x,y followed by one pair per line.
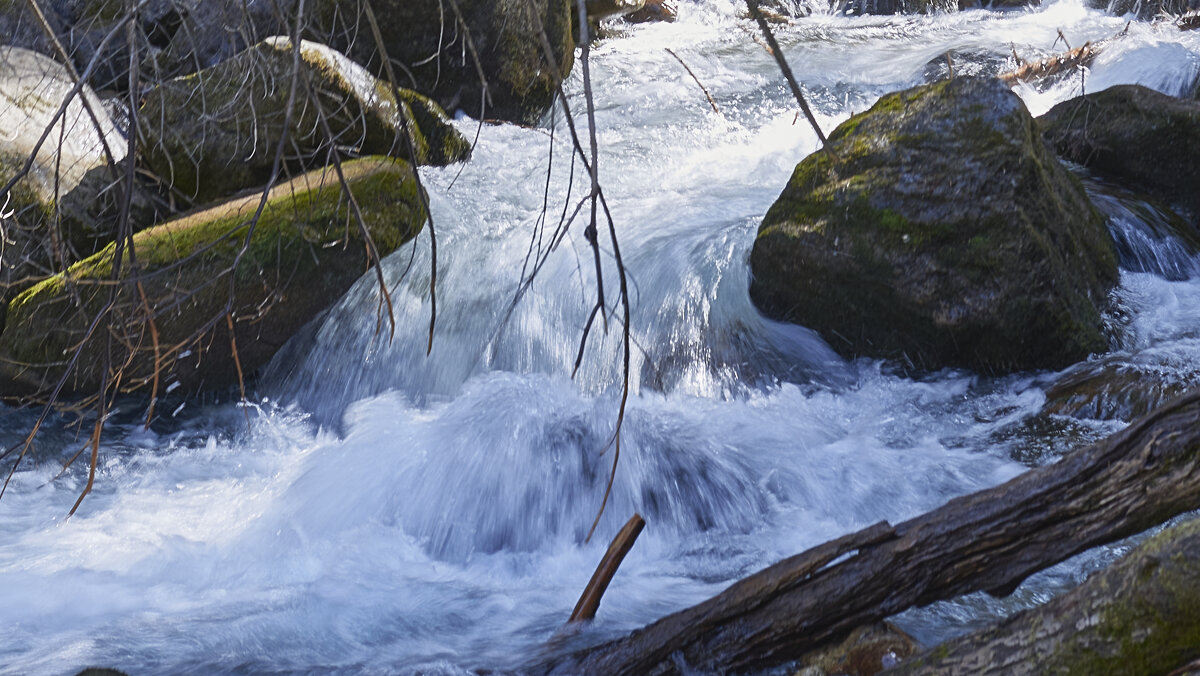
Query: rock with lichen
x,y
218,131
938,230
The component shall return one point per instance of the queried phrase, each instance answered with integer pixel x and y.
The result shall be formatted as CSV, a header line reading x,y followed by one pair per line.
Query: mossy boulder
x,y
1134,136
45,217
301,255
939,230
216,132
1136,616
431,51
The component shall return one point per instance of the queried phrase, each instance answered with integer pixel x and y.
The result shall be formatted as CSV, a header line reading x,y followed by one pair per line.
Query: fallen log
x,y
990,540
1149,602
1036,70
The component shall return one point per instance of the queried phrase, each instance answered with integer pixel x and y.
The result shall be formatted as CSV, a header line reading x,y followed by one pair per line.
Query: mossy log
x,y
165,318
990,541
1139,616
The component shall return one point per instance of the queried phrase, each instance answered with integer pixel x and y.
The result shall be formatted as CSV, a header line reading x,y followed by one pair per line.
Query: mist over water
x,y
377,510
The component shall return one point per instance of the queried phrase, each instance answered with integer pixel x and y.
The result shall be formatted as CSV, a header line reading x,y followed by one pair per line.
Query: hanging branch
x,y
756,14
698,82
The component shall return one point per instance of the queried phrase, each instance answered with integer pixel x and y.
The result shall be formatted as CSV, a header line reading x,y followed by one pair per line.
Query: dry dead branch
x,y
988,541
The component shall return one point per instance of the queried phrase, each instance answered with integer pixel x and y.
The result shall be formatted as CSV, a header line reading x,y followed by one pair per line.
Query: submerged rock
x,y
867,651
1134,136
958,62
1121,387
216,132
437,57
302,255
939,231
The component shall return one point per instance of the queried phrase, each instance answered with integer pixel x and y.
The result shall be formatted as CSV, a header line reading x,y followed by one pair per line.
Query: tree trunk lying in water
x,y
1141,615
1036,70
990,541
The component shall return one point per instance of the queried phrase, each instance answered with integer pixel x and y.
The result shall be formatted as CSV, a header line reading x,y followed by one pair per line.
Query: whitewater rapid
x,y
377,510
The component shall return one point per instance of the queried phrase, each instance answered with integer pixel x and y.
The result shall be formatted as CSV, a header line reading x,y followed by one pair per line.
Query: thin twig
x,y
704,89
752,5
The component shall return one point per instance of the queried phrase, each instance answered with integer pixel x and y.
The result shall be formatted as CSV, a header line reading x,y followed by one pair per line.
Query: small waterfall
x,y
1148,237
391,512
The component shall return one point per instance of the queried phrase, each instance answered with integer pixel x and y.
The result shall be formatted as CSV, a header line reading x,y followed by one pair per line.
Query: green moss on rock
x,y
301,255
216,132
939,231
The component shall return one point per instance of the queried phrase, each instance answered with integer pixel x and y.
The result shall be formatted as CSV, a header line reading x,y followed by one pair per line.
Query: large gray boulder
x,y
939,230
216,132
431,53
38,236
1136,137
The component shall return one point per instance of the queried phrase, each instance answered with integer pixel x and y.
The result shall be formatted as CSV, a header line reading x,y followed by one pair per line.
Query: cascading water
x,y
383,511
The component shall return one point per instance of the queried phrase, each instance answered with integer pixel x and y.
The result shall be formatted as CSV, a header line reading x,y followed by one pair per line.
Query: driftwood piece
x,y
990,540
589,601
1030,71
1139,616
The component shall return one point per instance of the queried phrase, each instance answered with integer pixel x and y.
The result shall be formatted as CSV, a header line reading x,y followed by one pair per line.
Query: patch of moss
x,y
912,237
302,254
1151,632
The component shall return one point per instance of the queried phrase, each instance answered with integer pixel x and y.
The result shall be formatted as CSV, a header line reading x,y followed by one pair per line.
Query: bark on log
x,y
990,540
1036,70
1139,616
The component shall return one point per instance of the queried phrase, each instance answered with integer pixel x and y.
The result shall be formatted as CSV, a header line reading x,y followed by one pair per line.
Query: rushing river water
x,y
379,511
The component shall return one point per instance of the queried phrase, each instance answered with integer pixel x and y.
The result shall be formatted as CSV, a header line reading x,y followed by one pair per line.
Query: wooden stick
x,y
702,87
621,544
1036,70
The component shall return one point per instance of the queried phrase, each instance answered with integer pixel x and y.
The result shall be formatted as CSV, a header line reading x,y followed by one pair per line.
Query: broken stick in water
x,y
621,544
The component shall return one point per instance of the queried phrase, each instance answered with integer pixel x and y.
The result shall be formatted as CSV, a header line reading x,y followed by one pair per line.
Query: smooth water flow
x,y
381,511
